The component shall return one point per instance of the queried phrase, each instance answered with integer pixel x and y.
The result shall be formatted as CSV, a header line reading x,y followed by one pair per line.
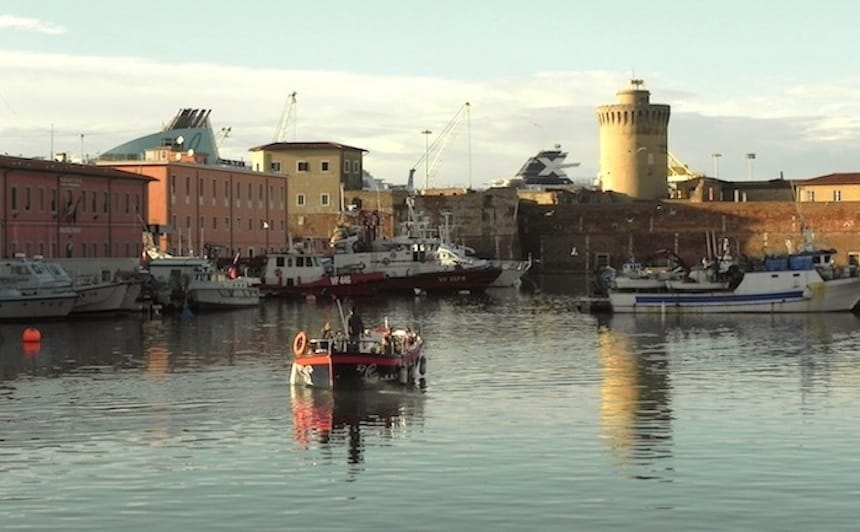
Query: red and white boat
x,y
293,273
415,260
381,356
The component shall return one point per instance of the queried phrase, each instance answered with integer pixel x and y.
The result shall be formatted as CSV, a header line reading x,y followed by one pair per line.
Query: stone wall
x,y
574,237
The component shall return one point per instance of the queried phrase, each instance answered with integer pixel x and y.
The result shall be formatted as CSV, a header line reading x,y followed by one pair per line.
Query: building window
x,y
214,222
324,166
227,224
303,166
188,222
300,200
275,166
325,199
106,206
250,224
201,222
127,203
810,195
356,167
14,199
94,206
187,186
53,201
837,195
27,199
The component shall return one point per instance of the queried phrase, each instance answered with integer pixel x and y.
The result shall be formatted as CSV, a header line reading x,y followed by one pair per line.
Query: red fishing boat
x,y
375,357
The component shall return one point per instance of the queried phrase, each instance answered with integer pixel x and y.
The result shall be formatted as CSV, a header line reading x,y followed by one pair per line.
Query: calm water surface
x,y
534,417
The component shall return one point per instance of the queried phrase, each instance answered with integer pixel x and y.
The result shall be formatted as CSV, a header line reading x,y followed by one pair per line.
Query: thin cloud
x,y
111,100
30,24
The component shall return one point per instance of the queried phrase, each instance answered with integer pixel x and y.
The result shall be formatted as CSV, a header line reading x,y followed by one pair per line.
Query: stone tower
x,y
633,144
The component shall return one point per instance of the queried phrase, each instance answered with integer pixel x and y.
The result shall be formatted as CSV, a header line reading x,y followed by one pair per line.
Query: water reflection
x,y
635,391
106,345
357,420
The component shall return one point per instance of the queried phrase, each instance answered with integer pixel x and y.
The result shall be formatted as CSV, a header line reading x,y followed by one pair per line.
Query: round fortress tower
x,y
633,144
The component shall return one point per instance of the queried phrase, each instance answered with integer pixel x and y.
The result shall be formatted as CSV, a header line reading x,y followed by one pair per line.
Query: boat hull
x,y
47,306
224,297
837,295
466,279
354,369
350,285
103,297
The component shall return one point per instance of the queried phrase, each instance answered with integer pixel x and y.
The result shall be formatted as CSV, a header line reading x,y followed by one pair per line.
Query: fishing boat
x,y
376,357
804,281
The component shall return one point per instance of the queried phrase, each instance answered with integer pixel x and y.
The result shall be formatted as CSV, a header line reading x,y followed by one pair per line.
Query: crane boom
x,y
288,120
432,155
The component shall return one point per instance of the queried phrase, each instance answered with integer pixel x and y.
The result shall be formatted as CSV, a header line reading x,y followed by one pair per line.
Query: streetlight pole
x,y
716,157
426,134
82,148
750,159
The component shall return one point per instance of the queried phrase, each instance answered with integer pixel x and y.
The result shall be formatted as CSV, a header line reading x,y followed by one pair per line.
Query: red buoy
x,y
31,334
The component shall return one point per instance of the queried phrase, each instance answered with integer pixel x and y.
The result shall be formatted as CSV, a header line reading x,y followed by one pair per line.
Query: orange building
x,y
58,209
197,208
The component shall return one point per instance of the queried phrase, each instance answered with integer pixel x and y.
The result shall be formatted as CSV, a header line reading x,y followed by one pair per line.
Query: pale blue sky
x,y
778,79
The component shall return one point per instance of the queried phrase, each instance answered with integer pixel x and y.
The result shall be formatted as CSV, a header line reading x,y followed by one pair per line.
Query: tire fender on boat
x,y
300,343
422,366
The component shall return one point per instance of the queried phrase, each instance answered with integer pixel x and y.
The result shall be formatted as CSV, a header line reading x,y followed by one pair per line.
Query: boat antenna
x,y
342,315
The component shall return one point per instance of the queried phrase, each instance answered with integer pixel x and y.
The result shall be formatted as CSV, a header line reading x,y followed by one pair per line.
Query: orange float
x,y
300,343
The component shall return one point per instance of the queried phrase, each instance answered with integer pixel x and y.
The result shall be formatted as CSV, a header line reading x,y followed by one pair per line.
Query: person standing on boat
x,y
356,327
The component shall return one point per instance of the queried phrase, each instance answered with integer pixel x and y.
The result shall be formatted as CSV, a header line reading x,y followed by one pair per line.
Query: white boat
x,y
104,284
99,294
415,260
32,288
801,282
195,282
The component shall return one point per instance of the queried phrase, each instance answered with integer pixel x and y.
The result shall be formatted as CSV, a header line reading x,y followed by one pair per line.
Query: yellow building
x,y
634,144
317,173
832,187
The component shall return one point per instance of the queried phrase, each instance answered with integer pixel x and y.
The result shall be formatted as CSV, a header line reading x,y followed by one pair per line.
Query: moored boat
x,y
807,281
32,288
295,273
194,281
414,260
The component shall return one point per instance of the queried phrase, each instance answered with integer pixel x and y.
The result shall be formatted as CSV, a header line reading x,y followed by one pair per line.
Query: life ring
x,y
278,273
385,261
300,343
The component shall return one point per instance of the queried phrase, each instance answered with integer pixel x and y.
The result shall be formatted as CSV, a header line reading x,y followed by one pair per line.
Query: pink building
x,y
59,209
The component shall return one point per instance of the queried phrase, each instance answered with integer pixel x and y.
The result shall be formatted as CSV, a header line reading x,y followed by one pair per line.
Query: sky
x,y
776,79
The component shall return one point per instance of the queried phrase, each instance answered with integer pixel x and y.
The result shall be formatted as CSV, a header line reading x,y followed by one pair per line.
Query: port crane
x,y
433,151
288,120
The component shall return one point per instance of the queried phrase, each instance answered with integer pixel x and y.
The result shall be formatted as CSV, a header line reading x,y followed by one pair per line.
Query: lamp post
x,y
82,148
426,134
716,157
750,158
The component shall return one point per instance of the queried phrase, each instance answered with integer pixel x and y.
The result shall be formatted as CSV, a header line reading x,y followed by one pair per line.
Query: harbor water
x,y
533,417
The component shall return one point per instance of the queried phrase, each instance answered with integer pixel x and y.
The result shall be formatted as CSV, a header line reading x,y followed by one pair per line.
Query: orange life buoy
x,y
300,343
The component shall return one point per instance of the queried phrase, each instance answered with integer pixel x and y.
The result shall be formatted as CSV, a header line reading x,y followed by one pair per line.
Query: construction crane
x,y
433,152
221,138
288,120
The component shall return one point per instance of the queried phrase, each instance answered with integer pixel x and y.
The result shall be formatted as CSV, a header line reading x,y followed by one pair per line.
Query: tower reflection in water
x,y
635,393
355,419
